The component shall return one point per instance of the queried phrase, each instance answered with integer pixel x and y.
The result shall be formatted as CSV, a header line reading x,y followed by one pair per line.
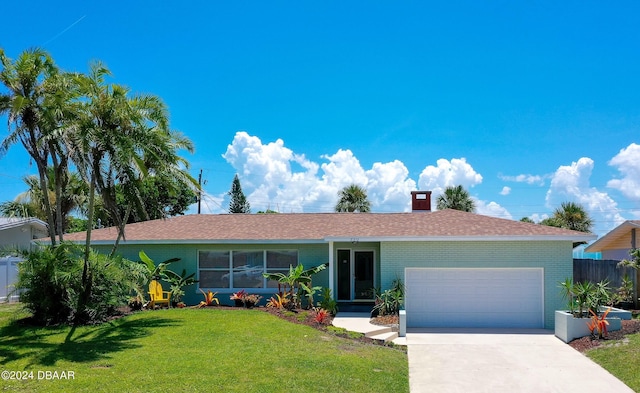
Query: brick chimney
x,y
420,201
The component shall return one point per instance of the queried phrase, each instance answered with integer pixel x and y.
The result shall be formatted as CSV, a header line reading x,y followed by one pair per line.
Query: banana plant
x,y
291,283
156,272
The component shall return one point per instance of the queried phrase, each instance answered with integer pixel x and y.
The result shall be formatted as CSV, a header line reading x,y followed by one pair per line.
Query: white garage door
x,y
497,298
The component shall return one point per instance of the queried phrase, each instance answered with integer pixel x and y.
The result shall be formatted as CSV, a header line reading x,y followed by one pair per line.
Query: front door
x,y
355,275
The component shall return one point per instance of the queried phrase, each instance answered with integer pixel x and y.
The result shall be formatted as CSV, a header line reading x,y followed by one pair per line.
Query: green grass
x,y
621,360
213,350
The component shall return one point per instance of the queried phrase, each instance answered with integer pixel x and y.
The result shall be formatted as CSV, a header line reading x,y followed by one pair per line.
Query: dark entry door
x,y
363,275
344,274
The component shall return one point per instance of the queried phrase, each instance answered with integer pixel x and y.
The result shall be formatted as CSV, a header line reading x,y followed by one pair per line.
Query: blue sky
x,y
526,104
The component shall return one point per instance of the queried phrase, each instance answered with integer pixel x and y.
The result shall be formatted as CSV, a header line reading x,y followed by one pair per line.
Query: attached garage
x,y
475,297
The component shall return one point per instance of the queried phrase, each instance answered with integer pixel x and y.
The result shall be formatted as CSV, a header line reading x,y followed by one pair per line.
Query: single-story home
x,y
617,243
15,234
460,269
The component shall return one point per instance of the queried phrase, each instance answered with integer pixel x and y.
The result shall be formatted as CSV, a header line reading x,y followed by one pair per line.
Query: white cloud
x,y
505,190
571,183
529,179
491,209
271,180
448,173
627,161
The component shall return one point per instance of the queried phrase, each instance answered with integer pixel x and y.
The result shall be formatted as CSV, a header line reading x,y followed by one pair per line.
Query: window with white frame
x,y
243,268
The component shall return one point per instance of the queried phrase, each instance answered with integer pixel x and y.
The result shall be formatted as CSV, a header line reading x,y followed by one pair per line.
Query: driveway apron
x,y
489,360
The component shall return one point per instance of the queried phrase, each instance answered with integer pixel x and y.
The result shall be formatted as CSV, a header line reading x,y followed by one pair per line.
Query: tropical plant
x,y
353,198
177,282
291,283
321,316
634,261
159,271
238,297
209,299
572,216
238,203
457,198
46,280
49,283
624,293
388,302
568,294
251,300
327,302
600,296
583,291
279,301
30,203
309,292
599,323
32,112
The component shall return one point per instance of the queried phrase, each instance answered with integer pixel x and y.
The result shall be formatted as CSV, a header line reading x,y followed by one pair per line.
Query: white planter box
x,y
569,328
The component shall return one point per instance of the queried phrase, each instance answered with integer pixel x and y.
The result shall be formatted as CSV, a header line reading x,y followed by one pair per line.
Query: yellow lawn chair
x,y
158,296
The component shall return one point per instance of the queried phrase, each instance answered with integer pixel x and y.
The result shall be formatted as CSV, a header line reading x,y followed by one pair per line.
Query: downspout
x,y
331,270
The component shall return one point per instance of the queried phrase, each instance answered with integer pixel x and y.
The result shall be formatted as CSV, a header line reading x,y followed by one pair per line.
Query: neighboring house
x,y
460,269
15,234
618,242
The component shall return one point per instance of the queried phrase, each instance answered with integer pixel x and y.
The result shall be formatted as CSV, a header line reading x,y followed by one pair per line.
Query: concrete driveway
x,y
483,360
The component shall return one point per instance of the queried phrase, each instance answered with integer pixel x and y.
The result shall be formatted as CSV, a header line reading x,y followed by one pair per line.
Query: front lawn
x,y
216,350
621,360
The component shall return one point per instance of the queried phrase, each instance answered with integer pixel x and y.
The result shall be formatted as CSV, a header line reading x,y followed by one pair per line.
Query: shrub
x,y
390,301
321,316
50,283
328,302
46,281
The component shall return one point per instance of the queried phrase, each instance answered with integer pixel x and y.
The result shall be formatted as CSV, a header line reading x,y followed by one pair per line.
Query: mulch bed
x,y
613,338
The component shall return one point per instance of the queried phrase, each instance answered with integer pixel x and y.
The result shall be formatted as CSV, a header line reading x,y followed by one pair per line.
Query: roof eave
x,y
463,238
203,241
600,244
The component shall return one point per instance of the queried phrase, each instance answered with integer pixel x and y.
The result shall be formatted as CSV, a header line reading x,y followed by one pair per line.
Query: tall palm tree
x,y
118,141
456,198
26,105
353,198
571,215
30,202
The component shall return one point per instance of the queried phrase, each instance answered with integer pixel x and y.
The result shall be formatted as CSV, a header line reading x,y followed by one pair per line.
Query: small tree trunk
x,y
121,231
85,292
42,172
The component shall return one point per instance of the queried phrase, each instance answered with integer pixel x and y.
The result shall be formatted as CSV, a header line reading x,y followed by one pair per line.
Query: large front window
x,y
243,268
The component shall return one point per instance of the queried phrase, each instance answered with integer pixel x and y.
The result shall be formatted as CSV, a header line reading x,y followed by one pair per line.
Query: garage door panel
x,y
441,297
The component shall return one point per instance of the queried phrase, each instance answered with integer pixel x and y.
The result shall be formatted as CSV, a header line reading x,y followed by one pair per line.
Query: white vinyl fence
x,y
8,277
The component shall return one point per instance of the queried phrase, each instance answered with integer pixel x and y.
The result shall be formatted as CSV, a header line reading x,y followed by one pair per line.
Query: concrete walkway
x,y
493,360
359,322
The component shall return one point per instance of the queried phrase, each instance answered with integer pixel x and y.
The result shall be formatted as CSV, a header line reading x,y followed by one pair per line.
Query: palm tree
x,y
353,198
118,141
30,202
456,198
25,103
572,216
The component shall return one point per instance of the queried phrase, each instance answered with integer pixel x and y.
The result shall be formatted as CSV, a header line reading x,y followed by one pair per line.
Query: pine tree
x,y
238,203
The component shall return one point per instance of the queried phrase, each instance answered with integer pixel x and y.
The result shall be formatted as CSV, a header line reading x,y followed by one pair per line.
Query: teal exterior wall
x,y
555,257
309,255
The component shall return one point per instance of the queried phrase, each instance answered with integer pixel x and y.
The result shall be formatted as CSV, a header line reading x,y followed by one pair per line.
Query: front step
x,y
386,337
355,307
